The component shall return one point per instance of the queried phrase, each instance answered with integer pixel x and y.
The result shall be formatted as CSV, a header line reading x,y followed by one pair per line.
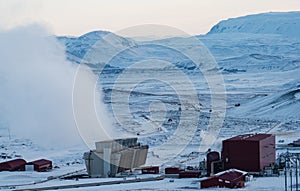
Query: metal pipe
x,y
89,163
285,172
291,175
297,174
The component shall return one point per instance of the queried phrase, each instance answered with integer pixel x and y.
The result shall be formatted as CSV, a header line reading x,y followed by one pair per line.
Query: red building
x,y
250,152
41,165
150,170
13,165
172,170
229,179
189,174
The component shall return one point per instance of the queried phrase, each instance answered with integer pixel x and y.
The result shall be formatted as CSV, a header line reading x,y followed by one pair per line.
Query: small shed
x,y
150,170
189,174
13,165
231,178
41,165
172,170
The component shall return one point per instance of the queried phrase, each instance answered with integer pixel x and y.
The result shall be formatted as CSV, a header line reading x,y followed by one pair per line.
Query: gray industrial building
x,y
115,156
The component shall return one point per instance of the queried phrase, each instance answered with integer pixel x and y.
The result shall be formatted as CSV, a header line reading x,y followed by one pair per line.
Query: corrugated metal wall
x,y
248,155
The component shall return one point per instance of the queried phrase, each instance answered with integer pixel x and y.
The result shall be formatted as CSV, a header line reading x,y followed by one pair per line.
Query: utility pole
x,y
285,171
297,173
291,175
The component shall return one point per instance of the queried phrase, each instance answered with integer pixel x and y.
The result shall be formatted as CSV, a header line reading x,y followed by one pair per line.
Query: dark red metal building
x,y
41,165
172,170
189,174
249,152
229,179
13,165
150,170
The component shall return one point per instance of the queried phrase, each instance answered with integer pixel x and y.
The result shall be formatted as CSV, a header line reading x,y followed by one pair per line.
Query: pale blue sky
x,y
75,17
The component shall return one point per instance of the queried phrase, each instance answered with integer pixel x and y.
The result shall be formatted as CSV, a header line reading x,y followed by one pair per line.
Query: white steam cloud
x,y
36,85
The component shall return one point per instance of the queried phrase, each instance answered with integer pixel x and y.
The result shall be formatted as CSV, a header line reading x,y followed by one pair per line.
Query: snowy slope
x,y
266,23
253,65
283,105
260,55
261,72
78,47
253,52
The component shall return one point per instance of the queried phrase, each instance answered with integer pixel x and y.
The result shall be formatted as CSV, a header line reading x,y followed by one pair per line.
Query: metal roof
x,y
40,162
231,171
249,137
12,164
228,175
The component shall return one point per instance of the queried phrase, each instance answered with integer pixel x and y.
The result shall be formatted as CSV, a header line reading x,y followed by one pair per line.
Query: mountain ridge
x,y
264,63
282,23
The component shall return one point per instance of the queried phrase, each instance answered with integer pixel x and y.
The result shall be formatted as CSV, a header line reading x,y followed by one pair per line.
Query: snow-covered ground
x,y
149,89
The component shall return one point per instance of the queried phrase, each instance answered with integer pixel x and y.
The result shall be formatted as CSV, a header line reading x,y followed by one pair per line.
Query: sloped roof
x,y
230,171
229,175
249,137
12,164
40,162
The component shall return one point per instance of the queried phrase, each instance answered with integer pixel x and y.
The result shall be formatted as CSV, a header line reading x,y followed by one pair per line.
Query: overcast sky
x,y
76,17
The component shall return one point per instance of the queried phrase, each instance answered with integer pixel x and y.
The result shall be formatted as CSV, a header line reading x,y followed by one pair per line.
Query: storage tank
x,y
211,157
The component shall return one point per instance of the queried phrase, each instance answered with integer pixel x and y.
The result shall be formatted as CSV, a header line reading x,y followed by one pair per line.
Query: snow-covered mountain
x,y
257,54
78,47
262,56
284,23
